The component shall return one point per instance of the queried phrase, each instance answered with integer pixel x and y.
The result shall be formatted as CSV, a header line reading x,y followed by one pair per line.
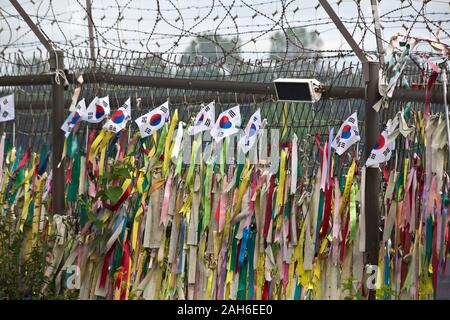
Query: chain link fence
x,y
33,102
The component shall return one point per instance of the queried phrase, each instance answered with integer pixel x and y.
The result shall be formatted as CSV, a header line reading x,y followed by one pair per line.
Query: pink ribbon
x,y
223,206
91,189
336,222
165,205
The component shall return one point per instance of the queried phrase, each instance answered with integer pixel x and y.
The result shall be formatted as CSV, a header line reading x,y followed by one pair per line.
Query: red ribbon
x,y
121,200
24,160
430,82
122,275
327,212
344,238
269,206
105,266
217,214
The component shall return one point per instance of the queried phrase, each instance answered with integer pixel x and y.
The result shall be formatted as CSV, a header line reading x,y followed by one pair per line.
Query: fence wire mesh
x,y
33,125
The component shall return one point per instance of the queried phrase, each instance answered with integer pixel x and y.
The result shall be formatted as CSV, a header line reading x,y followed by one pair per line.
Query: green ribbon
x,y
29,220
84,217
298,291
207,197
233,249
353,192
19,179
161,142
72,190
319,218
242,281
196,145
251,267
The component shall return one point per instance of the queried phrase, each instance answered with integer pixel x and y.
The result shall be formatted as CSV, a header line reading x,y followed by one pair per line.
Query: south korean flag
x,y
153,120
382,150
97,110
251,132
227,124
347,135
204,120
74,117
7,108
119,119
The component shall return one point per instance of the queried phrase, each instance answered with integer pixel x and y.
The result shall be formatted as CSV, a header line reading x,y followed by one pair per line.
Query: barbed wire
x,y
222,30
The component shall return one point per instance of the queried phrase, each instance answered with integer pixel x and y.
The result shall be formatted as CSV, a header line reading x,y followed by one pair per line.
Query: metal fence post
x,y
372,186
57,63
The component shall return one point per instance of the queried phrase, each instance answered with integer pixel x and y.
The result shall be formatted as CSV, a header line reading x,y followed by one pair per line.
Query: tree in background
x,y
223,51
293,43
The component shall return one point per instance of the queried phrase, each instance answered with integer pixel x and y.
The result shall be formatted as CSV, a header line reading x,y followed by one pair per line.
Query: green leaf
x,y
113,194
122,172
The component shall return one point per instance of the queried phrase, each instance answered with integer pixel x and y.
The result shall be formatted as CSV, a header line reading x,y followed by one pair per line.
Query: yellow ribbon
x,y
26,203
348,185
37,207
168,141
280,198
242,187
134,232
99,143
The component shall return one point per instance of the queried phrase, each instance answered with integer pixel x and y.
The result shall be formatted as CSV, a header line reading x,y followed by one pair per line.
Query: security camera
x,y
298,90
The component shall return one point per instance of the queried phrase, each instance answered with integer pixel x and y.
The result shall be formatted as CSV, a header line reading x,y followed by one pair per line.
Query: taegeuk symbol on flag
x,y
251,132
7,108
347,135
153,120
97,110
227,124
74,117
204,120
382,150
119,119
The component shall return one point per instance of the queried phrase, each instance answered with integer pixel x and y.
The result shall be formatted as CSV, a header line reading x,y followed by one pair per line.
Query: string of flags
x,y
142,223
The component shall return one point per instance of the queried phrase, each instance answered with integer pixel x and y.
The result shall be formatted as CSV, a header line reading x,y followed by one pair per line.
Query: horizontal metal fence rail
x,y
189,81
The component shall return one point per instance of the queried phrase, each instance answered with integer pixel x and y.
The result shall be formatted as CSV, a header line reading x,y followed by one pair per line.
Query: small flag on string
x,y
347,135
97,110
7,108
382,150
153,120
119,119
74,117
251,132
204,120
227,124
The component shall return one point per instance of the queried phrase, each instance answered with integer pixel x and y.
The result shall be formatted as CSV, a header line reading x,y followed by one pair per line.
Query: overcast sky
x,y
254,18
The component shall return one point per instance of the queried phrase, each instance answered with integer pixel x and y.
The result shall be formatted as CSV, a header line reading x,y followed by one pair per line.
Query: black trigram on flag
x,y
164,109
5,102
232,114
207,108
148,131
352,120
207,122
144,119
